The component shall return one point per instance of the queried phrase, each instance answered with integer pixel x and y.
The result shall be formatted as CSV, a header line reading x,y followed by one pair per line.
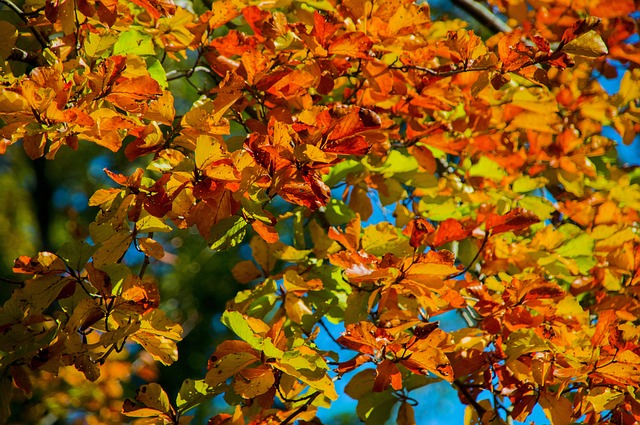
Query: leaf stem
x,y
466,269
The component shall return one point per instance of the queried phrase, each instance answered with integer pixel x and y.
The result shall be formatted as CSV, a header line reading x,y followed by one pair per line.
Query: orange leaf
x,y
387,373
222,12
605,322
151,247
45,263
448,231
156,8
245,271
355,121
351,44
322,29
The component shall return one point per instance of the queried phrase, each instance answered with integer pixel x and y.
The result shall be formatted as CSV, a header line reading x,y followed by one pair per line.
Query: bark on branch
x,y
483,15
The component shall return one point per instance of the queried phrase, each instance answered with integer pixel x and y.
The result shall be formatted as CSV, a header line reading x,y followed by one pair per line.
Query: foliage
x,y
295,126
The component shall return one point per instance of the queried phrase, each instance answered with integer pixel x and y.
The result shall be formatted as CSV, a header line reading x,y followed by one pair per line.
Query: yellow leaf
x,y
250,383
228,366
161,349
112,249
557,410
589,44
604,398
629,87
295,307
102,196
208,150
151,401
294,282
151,247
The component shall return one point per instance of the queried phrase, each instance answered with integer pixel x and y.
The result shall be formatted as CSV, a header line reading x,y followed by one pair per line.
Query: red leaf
x,y
356,145
418,229
255,18
516,219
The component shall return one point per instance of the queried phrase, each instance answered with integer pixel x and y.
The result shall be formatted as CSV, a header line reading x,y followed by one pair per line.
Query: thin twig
x,y
324,326
300,409
472,401
483,15
466,269
11,281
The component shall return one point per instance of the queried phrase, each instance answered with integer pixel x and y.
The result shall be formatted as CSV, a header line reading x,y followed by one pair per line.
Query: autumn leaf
x,y
516,219
448,231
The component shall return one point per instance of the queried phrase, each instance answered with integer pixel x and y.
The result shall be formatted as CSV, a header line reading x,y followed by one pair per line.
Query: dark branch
x,y
300,409
472,401
25,18
483,15
466,269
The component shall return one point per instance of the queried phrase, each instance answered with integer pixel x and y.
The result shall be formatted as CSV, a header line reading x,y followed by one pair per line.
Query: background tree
x,y
365,169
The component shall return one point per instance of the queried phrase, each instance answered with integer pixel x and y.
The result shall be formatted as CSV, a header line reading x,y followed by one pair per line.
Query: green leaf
x,y
76,253
134,43
157,72
383,238
317,379
398,163
96,45
337,212
238,324
488,169
339,172
192,393
589,45
525,184
539,206
578,246
228,232
375,408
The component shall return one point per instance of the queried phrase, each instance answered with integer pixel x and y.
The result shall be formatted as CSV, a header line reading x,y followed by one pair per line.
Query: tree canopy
x,y
361,169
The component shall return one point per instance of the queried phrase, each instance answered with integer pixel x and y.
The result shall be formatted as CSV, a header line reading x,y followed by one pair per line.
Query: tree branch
x,y
483,15
43,41
472,401
466,269
300,409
